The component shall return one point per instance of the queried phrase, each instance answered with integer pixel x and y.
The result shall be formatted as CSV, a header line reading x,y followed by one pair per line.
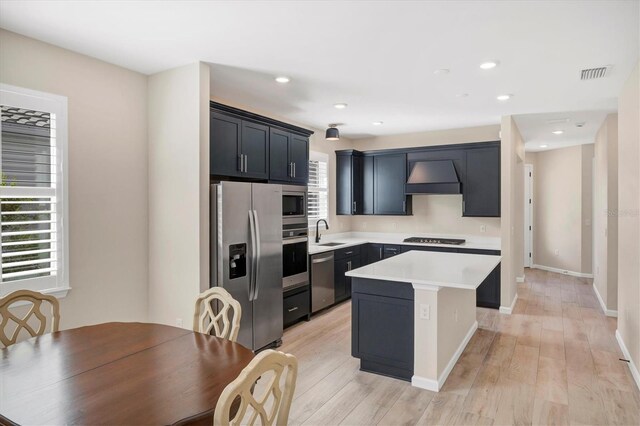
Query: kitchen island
x,y
413,314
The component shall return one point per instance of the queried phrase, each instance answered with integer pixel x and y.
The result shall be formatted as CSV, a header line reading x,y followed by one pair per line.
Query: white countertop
x,y
356,238
457,270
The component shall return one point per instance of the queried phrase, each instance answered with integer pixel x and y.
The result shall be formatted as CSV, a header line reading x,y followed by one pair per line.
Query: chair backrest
x,y
269,401
224,324
8,337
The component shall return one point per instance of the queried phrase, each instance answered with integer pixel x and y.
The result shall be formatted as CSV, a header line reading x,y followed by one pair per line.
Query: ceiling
x,y
537,129
378,57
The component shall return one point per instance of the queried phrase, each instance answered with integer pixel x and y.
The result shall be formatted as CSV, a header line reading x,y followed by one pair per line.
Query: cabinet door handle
x,y
294,169
354,207
348,252
380,252
246,163
295,308
290,169
348,265
241,165
404,206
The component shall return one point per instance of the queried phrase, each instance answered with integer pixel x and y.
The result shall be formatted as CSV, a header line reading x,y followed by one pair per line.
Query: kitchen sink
x,y
331,244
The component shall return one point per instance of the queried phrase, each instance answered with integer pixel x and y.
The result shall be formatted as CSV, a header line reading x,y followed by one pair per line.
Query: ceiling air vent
x,y
593,73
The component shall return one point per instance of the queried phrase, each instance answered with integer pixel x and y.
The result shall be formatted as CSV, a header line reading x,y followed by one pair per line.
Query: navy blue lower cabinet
x,y
488,293
382,327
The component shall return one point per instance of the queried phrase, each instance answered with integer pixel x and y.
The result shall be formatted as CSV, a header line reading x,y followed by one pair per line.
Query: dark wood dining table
x,y
117,374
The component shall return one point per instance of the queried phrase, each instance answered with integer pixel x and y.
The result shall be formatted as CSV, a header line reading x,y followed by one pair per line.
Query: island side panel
x,y
442,335
456,324
383,327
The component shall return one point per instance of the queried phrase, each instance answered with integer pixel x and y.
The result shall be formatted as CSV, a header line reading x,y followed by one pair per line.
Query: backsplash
x,y
440,214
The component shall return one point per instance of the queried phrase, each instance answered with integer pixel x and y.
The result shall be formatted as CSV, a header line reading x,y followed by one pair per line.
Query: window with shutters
x,y
318,188
33,191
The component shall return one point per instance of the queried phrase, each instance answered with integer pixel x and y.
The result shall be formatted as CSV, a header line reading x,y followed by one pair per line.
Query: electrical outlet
x,y
394,226
364,225
179,322
556,252
483,228
424,311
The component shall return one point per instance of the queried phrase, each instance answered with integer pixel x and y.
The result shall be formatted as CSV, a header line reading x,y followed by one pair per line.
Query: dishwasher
x,y
322,284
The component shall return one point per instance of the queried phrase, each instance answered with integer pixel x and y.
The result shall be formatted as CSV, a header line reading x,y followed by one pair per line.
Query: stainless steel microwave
x,y
294,204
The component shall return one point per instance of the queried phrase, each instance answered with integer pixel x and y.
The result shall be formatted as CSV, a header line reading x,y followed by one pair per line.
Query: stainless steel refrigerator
x,y
246,256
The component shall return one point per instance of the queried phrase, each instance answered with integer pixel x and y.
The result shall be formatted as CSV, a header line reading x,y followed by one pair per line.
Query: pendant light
x,y
332,133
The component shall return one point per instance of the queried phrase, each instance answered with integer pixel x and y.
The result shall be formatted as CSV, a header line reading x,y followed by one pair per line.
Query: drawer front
x,y
347,252
391,250
296,306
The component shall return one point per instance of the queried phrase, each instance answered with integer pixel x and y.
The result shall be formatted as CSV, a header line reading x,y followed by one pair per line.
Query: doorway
x,y
528,215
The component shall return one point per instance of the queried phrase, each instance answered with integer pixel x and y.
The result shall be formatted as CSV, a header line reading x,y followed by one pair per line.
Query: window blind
x,y
28,207
318,191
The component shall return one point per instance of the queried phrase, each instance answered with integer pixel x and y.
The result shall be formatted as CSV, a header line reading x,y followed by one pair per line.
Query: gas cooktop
x,y
432,240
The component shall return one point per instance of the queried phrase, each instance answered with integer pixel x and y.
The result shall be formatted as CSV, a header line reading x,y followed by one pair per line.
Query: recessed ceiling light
x,y
580,124
377,123
462,95
442,71
489,65
340,106
504,97
558,132
283,79
543,146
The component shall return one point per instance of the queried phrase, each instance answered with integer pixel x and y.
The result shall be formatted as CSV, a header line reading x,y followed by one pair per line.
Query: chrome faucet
x,y
318,231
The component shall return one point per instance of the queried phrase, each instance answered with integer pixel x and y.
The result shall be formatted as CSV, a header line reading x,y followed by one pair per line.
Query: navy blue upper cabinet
x,y
367,185
238,148
299,158
371,184
258,148
225,158
289,157
254,147
389,178
349,167
279,164
481,187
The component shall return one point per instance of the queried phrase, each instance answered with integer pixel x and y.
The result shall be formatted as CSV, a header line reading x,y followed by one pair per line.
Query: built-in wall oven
x,y
295,237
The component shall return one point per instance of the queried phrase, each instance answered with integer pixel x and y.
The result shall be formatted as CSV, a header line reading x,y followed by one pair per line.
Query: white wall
x,y
512,210
107,175
629,216
605,269
431,213
178,192
562,208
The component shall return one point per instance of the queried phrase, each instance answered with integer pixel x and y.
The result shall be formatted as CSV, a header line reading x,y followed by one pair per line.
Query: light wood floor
x,y
555,360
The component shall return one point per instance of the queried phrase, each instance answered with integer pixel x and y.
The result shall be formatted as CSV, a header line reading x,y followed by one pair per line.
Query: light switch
x,y
424,311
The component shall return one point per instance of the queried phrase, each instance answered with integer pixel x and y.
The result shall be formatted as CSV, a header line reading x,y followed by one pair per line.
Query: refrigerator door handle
x,y
256,224
253,268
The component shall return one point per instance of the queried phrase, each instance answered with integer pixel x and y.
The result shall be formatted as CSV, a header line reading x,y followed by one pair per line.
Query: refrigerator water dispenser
x,y
237,260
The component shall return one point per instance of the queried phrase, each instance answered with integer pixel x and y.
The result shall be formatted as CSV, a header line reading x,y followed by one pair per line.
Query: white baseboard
x,y
424,383
634,370
563,271
520,279
509,309
607,312
435,386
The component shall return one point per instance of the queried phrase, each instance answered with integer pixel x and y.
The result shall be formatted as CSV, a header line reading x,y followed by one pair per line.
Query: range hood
x,y
433,177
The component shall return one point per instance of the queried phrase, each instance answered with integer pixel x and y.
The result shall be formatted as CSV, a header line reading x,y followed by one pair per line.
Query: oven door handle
x,y
286,241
